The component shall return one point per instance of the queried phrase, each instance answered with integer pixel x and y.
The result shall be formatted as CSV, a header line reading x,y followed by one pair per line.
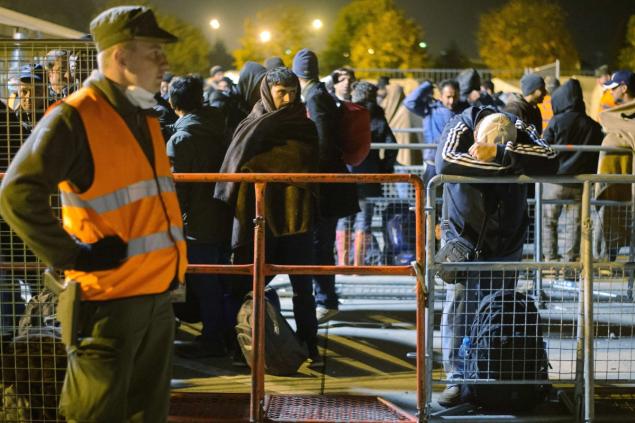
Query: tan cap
x,y
496,128
126,23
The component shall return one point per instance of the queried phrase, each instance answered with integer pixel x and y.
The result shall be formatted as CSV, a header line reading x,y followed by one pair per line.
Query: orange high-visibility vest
x,y
127,198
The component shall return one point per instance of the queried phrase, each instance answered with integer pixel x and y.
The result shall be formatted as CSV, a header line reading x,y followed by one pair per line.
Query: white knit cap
x,y
495,129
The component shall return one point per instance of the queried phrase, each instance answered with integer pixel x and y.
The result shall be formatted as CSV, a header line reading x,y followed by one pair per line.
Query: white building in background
x,y
17,25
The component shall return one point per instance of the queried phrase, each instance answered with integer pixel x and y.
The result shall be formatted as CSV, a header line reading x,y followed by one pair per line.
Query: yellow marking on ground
x,y
402,381
374,352
390,321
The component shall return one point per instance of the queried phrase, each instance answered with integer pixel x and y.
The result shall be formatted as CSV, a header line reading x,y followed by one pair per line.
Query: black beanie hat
x,y
305,65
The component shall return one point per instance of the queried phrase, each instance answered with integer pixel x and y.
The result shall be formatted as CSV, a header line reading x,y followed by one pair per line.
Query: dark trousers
x,y
460,307
323,244
207,290
120,370
291,249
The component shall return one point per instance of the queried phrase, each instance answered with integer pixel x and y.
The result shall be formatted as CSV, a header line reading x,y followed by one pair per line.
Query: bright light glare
x,y
371,51
317,24
265,36
423,44
214,23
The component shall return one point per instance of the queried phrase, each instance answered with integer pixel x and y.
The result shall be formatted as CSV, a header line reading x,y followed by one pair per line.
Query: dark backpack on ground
x,y
283,352
506,344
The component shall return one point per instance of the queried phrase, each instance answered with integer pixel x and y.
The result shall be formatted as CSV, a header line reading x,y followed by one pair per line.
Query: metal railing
x,y
578,342
259,269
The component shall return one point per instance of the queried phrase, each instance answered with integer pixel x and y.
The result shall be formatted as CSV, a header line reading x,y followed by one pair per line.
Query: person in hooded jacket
x,y
470,91
491,217
198,146
276,137
365,94
570,125
228,101
335,200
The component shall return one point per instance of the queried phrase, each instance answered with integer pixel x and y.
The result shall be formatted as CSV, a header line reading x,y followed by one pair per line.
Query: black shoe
x,y
315,358
201,349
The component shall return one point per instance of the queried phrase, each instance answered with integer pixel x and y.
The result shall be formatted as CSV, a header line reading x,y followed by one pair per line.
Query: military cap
x,y
126,23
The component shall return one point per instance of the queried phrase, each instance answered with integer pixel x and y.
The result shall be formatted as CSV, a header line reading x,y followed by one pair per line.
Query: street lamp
x,y
265,36
214,23
317,24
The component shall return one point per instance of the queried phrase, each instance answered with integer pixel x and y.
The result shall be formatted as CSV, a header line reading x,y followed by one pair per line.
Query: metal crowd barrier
x,y
35,369
588,322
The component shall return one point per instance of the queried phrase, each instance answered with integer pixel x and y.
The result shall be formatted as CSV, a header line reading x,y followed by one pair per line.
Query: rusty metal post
x,y
256,411
419,189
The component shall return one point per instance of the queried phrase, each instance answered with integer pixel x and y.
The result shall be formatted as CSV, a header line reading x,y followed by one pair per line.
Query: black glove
x,y
107,253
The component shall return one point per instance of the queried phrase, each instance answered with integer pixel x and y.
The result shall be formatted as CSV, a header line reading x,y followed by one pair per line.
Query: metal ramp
x,y
234,408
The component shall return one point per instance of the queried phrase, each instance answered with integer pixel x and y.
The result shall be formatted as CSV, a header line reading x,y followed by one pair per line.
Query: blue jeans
x,y
461,304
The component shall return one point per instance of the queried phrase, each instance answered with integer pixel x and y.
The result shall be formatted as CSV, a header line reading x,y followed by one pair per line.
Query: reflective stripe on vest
x,y
130,197
121,197
155,241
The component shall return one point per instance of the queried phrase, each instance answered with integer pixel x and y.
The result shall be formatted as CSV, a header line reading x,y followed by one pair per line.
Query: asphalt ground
x,y
365,349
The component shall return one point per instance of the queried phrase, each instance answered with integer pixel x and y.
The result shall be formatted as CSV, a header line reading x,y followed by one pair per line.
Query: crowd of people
x,y
109,146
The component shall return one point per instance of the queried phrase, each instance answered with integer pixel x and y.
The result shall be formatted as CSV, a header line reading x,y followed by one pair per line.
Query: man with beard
x,y
276,137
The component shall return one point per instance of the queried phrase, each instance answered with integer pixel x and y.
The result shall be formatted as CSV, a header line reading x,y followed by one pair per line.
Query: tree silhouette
x,y
626,58
452,58
289,33
372,34
219,55
526,33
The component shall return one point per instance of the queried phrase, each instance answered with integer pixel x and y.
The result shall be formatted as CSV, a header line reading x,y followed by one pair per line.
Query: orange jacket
x,y
127,198
546,111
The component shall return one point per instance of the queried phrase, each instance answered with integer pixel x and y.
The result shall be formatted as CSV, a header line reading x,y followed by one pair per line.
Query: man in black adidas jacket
x,y
493,217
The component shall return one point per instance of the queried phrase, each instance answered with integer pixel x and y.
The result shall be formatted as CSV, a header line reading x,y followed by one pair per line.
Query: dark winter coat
x,y
198,146
571,125
271,141
505,205
335,200
525,111
380,133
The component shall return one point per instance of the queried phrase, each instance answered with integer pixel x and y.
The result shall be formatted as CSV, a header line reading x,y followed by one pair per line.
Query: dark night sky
x,y
597,26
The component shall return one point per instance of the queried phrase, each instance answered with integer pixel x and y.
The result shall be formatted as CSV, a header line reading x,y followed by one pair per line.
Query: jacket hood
x,y
249,82
568,98
469,80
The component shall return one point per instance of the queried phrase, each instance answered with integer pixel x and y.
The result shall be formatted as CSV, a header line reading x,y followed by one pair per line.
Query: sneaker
x,y
200,349
451,396
324,314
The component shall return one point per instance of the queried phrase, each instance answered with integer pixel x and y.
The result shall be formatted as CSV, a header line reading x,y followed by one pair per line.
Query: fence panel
x,y
558,285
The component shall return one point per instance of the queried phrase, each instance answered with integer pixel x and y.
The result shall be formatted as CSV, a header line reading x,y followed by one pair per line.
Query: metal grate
x,y
298,408
205,407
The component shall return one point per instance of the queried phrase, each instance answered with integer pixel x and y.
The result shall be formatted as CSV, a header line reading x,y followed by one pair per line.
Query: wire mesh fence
x,y
33,359
33,76
463,325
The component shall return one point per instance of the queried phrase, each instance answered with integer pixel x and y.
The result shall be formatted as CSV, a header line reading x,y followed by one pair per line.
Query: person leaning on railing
x,y
122,236
490,217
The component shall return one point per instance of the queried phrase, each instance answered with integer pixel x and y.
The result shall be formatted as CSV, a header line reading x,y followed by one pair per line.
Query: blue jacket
x,y
435,115
505,205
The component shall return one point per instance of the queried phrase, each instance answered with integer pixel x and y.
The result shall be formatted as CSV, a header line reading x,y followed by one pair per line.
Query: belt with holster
x,y
69,296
